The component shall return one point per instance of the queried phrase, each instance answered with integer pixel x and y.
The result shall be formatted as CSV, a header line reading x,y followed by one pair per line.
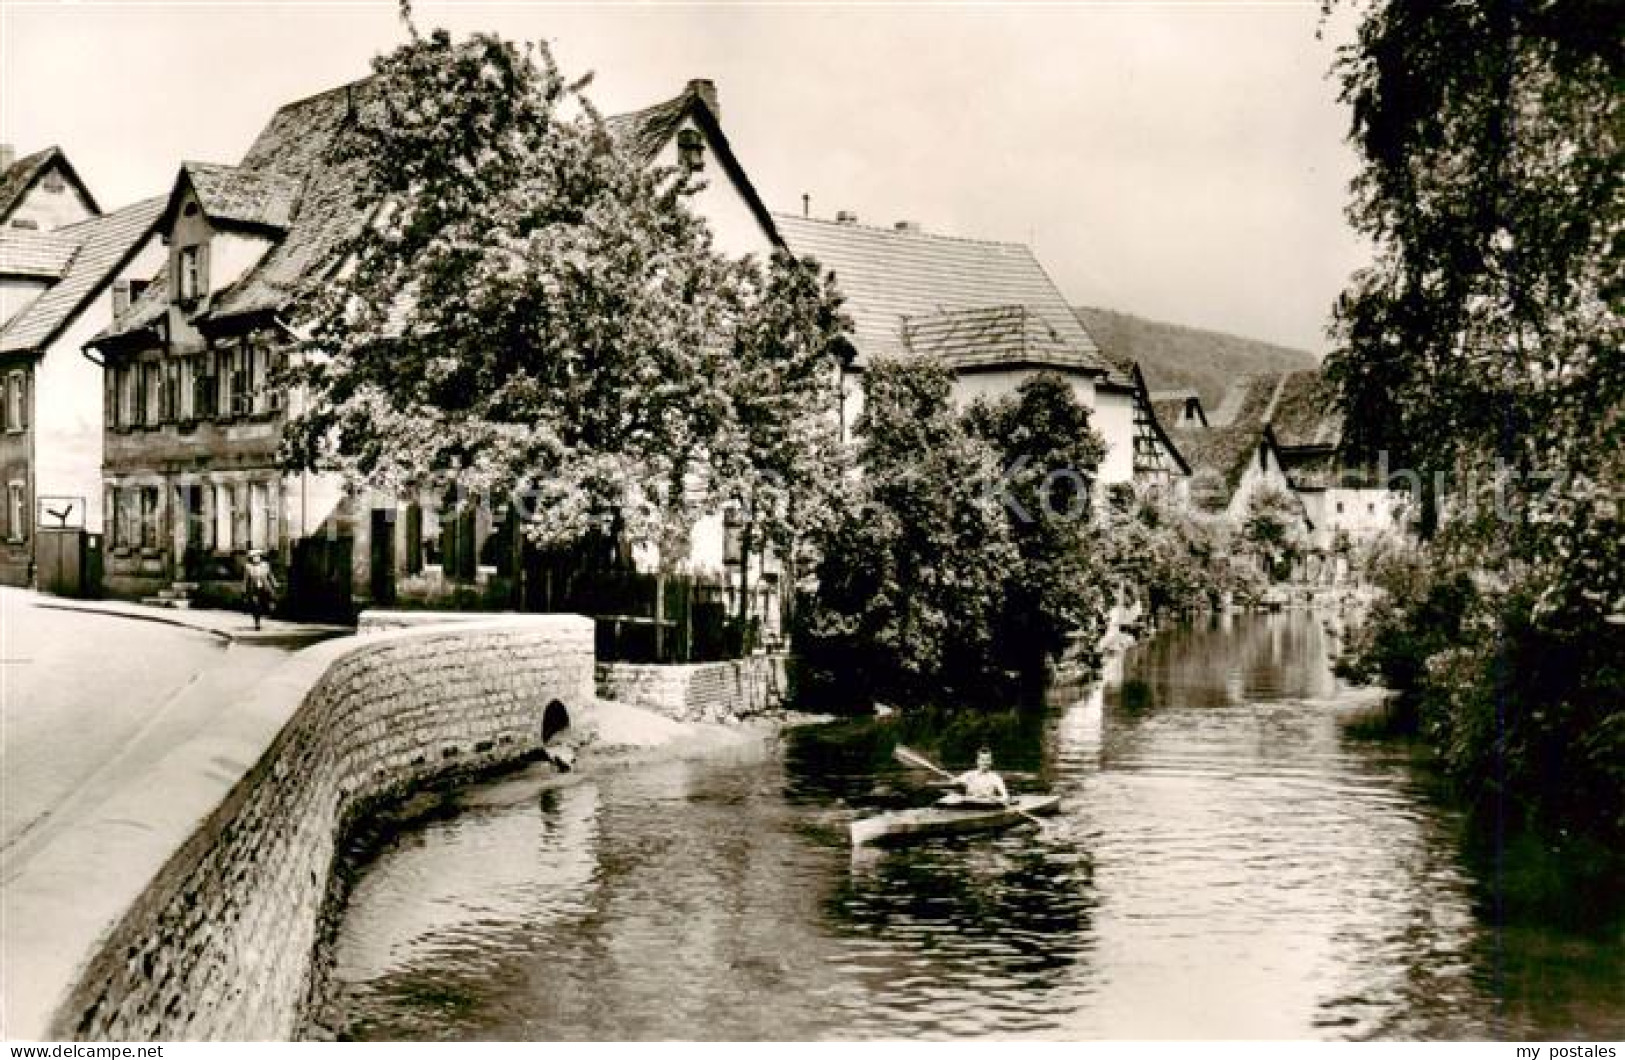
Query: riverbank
x,y
185,900
184,904
615,738
1220,840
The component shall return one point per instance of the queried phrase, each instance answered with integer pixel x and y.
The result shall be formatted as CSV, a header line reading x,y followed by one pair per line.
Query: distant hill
x,y
1175,357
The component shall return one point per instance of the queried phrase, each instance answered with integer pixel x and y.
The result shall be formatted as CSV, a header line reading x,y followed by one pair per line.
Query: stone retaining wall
x,y
219,945
713,692
377,620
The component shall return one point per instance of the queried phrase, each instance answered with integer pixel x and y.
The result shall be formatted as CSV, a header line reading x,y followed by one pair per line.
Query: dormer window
x,y
691,151
190,276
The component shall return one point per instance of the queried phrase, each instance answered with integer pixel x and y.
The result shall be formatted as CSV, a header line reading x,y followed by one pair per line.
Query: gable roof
x,y
315,201
236,195
1142,400
21,175
104,244
288,183
643,134
1228,443
890,278
37,255
1305,413
994,336
1170,406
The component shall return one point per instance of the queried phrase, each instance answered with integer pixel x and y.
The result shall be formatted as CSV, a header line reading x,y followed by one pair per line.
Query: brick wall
x,y
711,692
220,944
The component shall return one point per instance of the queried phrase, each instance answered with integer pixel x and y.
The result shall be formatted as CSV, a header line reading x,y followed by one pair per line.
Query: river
x,y
1227,863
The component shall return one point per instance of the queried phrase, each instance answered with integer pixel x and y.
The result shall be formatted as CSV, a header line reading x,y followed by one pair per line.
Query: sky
x,y
1182,161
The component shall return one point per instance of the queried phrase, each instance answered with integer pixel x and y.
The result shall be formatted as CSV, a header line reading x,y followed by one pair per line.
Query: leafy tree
x,y
1489,327
779,456
1051,456
528,306
911,583
1273,527
1482,349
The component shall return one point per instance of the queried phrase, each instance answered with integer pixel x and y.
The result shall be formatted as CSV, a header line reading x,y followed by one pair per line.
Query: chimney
x,y
846,217
8,155
911,227
706,89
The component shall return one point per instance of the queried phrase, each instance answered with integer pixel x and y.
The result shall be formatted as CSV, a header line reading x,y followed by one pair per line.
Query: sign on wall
x,y
60,513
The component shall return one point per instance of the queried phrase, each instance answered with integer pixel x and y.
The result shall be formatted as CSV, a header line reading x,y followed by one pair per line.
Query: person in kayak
x,y
981,784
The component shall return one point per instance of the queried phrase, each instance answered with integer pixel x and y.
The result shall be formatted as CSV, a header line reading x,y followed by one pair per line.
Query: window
x,y
151,503
16,410
204,383
242,516
169,395
241,361
129,517
16,511
152,393
261,515
257,382
129,406
691,151
224,521
54,183
27,223
185,389
1339,507
190,274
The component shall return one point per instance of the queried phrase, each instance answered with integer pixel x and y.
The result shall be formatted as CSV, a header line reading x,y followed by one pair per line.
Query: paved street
x,y
87,698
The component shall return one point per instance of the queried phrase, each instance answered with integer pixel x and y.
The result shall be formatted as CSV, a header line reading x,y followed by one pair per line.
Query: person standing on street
x,y
259,585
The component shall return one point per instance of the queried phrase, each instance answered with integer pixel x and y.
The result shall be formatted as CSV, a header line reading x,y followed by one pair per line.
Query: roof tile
x,y
891,277
103,242
43,255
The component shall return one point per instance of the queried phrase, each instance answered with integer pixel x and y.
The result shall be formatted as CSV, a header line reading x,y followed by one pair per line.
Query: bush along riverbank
x,y
1477,361
1523,707
969,559
964,555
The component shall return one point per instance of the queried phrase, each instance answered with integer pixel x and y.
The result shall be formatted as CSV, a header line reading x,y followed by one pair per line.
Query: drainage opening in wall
x,y
555,722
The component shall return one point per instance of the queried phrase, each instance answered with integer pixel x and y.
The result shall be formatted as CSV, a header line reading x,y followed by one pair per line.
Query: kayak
x,y
963,819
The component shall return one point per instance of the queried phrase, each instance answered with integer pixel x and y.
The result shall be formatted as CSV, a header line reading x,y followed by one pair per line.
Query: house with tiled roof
x,y
40,192
1233,453
987,310
1285,430
63,277
1179,409
195,416
1343,499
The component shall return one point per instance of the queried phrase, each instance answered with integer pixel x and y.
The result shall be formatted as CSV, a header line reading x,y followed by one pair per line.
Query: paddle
x,y
915,758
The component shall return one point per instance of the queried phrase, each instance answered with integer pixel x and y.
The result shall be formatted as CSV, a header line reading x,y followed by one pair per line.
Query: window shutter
x,y
121,297
203,269
22,400
109,397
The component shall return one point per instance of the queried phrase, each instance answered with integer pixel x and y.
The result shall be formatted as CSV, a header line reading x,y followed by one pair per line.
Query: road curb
x,y
295,636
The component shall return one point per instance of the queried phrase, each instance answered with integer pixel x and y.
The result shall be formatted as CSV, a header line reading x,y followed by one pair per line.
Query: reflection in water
x,y
1226,865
